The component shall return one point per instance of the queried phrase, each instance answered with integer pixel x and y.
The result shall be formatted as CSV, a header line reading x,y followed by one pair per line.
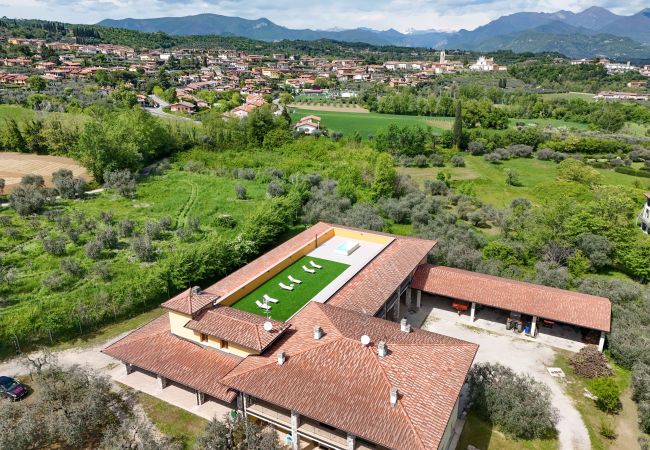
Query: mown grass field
x,y
368,123
538,180
571,95
289,302
17,113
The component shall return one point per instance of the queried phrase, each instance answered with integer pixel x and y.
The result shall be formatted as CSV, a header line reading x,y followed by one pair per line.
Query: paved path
x,y
158,111
524,357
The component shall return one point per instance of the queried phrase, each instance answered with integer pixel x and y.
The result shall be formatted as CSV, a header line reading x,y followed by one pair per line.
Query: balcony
x,y
322,433
271,413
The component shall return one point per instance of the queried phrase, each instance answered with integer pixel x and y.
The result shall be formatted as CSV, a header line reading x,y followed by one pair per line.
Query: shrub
x,y
512,177
53,282
275,189
518,404
152,230
143,248
55,245
520,150
476,148
608,393
106,217
492,158
437,160
436,187
590,363
165,222
121,181
67,185
607,430
240,192
193,166
72,267
225,221
27,199
421,161
246,174
125,228
108,238
457,161
94,249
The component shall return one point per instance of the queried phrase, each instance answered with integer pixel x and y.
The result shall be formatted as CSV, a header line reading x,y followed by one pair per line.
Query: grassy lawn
x,y
367,124
292,301
556,123
571,95
593,417
482,435
176,423
538,179
17,113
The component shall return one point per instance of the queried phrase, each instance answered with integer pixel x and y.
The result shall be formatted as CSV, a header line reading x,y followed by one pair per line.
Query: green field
x,y
17,113
571,95
538,180
556,123
291,301
368,123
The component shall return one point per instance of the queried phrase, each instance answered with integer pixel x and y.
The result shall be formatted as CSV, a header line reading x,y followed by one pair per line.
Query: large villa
x,y
312,339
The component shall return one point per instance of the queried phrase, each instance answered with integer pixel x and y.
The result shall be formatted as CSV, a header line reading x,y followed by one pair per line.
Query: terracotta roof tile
x,y
240,327
369,289
550,303
153,348
181,302
338,381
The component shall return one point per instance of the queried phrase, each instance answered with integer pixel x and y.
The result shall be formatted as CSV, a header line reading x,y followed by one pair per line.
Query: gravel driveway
x,y
525,357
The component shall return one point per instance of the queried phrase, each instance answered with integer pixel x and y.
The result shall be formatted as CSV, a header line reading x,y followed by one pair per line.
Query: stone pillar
x,y
162,382
128,368
351,441
418,299
295,440
601,343
472,313
533,326
408,298
397,307
200,398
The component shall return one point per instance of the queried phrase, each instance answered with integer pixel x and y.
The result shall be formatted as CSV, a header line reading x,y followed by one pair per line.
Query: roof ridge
x,y
375,358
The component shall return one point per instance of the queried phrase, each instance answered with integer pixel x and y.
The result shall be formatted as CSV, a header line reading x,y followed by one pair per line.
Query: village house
x,y
184,107
308,125
293,360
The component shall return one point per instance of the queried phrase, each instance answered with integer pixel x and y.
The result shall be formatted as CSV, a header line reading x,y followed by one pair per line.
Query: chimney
x,y
196,290
393,396
318,332
382,349
405,326
365,340
281,358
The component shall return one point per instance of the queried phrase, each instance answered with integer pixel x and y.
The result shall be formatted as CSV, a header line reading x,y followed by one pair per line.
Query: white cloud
x,y
380,14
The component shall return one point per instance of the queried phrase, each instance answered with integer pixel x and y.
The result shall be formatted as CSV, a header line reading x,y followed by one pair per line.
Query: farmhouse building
x,y
644,216
308,125
311,338
184,107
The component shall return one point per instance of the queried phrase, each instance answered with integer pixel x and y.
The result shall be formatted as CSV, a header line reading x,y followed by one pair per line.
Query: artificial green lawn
x,y
291,301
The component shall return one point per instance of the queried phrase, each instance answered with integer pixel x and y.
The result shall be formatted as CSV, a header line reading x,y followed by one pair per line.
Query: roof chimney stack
x,y
382,349
281,358
405,326
393,396
196,290
318,332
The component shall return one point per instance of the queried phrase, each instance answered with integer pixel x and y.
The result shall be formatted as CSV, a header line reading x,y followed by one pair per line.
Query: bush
x,y
67,185
165,223
436,187
108,238
457,161
72,267
28,199
240,192
152,230
225,221
608,393
492,158
94,249
125,228
121,181
476,148
275,189
437,160
518,404
590,363
143,248
607,430
55,245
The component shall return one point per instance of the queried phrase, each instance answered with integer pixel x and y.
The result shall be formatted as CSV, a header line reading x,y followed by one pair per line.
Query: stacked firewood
x,y
590,363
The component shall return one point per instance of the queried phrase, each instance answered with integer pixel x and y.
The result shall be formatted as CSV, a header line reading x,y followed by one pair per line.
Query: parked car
x,y
12,388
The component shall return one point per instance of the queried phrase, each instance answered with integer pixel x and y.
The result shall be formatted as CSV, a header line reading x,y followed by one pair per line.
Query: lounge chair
x,y
270,299
314,265
293,280
262,305
285,287
306,269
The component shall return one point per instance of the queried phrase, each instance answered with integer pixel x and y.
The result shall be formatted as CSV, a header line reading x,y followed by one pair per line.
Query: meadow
x,y
538,180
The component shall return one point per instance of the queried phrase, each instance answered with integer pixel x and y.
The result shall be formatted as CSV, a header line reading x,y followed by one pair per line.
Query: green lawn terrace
x,y
290,302
341,256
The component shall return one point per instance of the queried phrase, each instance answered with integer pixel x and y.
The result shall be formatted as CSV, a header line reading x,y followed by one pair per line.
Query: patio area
x,y
492,320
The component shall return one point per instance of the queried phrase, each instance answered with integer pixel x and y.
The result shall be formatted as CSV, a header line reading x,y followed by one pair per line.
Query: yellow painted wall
x,y
361,236
177,323
273,271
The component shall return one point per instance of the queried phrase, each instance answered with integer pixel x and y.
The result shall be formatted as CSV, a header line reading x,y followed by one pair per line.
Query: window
x,y
224,345
204,337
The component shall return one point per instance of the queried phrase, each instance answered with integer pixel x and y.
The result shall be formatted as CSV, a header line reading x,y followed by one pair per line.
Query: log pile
x,y
590,363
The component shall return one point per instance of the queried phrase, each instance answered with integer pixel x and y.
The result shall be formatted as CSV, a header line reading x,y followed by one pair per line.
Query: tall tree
x,y
458,125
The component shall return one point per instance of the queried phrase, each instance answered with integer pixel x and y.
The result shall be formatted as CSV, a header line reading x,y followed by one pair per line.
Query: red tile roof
x,y
153,348
369,289
240,327
550,303
338,381
181,302
250,270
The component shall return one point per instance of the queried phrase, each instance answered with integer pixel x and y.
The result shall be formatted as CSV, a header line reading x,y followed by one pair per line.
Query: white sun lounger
x,y
285,287
270,299
262,305
293,280
306,269
314,265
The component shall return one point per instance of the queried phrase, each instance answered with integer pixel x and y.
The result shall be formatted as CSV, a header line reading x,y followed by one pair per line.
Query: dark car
x,y
12,389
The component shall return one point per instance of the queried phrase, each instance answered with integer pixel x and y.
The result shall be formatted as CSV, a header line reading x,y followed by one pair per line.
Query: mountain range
x,y
593,32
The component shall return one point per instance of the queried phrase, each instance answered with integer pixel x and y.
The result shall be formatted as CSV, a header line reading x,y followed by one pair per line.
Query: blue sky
x,y
379,14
